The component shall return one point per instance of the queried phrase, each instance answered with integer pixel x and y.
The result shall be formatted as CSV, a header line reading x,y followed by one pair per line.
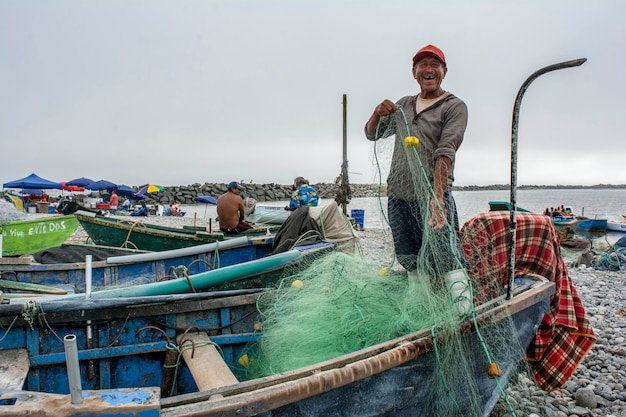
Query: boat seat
x,y
207,365
14,366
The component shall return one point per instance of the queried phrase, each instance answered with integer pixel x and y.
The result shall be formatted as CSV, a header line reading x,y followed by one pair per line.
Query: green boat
x,y
109,231
21,237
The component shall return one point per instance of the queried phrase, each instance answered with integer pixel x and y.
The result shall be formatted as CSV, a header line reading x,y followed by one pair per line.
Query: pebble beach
x,y
598,386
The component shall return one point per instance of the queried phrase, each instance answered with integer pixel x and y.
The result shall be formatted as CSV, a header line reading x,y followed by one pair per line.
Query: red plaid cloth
x,y
564,336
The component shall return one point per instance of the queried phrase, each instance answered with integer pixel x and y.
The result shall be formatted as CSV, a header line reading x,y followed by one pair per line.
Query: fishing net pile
x,y
342,303
9,213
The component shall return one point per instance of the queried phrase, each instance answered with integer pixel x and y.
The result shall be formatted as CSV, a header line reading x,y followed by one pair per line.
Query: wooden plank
x,y
207,365
16,261
27,286
14,367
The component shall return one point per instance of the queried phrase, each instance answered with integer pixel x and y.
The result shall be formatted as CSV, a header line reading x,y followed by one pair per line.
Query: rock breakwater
x,y
185,194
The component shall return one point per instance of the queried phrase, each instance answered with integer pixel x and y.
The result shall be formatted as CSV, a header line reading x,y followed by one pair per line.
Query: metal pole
x,y
514,129
344,166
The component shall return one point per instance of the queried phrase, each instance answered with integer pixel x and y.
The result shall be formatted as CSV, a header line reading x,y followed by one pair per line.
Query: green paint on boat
x,y
24,237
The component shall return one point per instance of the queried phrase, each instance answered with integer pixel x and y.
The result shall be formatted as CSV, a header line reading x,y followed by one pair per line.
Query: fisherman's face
x,y
429,73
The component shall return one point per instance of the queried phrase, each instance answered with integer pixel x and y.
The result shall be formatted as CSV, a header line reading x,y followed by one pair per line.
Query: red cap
x,y
429,50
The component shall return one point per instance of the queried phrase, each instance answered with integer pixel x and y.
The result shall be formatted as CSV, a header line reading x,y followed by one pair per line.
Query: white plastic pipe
x,y
88,269
73,369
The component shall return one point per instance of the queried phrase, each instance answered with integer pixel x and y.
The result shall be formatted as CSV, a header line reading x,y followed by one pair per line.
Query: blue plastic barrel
x,y
359,217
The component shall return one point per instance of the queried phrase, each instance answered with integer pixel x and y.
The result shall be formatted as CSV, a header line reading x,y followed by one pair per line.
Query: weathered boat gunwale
x,y
271,392
58,310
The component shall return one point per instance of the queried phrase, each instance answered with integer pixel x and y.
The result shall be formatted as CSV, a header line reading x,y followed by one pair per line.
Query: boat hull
x,y
29,236
591,225
131,337
149,267
613,226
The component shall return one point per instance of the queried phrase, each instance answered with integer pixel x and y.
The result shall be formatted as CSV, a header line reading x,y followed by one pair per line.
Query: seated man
x,y
303,195
231,211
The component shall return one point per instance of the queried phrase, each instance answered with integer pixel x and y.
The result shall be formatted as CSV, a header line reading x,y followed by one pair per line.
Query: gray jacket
x,y
439,128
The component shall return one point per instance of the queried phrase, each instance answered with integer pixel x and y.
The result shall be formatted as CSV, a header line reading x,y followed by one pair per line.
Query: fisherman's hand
x,y
386,108
438,213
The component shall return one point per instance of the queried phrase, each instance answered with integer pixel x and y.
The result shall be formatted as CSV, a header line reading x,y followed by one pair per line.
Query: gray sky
x,y
178,92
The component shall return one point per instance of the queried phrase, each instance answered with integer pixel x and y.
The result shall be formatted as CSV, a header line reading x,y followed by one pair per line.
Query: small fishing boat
x,y
31,235
590,225
268,215
65,267
504,206
110,231
615,226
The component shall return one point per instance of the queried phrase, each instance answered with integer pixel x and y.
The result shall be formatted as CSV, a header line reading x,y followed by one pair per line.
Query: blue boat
x,y
591,225
174,355
125,267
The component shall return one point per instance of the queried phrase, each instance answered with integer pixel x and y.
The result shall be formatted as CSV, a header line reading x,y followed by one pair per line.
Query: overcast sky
x,y
179,92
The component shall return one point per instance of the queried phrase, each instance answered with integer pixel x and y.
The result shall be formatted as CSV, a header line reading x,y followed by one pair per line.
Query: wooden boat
x,y
109,231
32,235
504,206
615,226
591,225
268,215
156,355
115,267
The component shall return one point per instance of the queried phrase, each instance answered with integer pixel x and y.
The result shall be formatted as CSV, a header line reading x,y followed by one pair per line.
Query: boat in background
x,y
126,233
504,206
20,237
559,220
615,226
268,215
590,225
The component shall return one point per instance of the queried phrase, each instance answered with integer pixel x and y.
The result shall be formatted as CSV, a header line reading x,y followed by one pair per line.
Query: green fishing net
x,y
341,303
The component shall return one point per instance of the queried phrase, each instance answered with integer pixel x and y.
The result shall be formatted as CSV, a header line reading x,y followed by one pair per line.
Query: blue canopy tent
x,y
80,182
33,181
101,185
32,191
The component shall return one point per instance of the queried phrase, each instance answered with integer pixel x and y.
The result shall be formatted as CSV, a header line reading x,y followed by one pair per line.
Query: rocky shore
x,y
598,386
185,194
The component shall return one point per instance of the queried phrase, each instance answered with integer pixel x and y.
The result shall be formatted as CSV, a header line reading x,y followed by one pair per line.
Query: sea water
x,y
592,203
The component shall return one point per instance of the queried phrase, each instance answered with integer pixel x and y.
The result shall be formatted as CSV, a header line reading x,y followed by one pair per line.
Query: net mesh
x,y
342,303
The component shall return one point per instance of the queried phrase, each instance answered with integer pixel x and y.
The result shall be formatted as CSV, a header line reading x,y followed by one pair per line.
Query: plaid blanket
x,y
564,336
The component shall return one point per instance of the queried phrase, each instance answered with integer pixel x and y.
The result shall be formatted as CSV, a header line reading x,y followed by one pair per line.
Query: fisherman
x,y
436,120
231,211
303,195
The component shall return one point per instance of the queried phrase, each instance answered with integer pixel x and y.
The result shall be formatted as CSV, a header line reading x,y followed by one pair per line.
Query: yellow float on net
x,y
411,141
296,284
244,361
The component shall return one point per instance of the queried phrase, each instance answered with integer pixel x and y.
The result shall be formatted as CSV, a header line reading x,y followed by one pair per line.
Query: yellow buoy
x,y
411,141
493,370
296,284
244,361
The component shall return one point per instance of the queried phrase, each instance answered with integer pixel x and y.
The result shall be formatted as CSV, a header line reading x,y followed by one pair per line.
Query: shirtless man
x,y
230,210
